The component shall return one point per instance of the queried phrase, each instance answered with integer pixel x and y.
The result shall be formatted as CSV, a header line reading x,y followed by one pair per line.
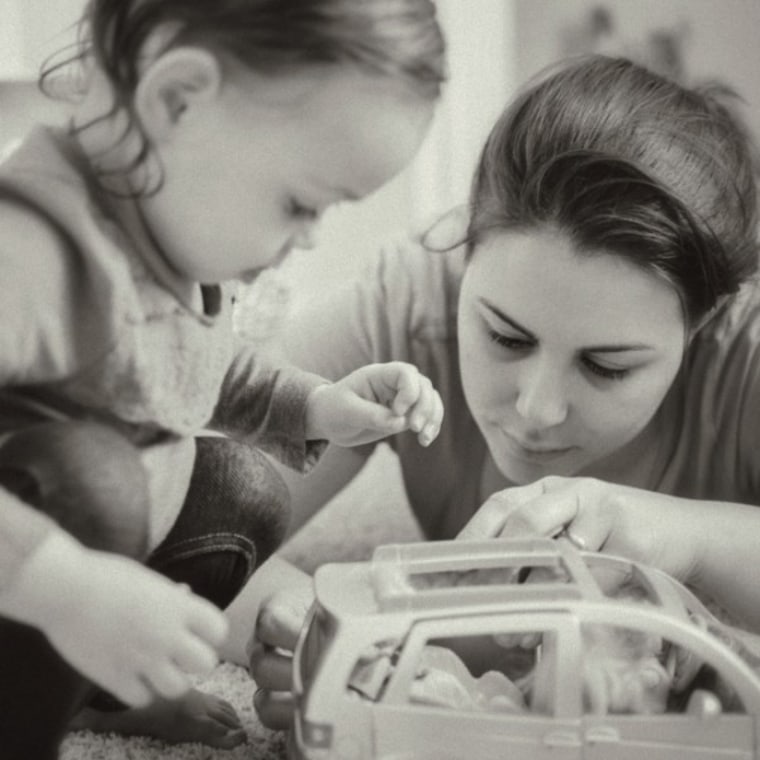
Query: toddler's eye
x,y
298,210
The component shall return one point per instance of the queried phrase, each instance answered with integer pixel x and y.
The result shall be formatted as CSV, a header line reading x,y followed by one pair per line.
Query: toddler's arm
x,y
128,629
289,413
373,402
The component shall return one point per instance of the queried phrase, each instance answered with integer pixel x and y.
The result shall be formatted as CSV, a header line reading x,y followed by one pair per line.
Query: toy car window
x,y
623,581
486,576
314,645
510,675
373,669
631,672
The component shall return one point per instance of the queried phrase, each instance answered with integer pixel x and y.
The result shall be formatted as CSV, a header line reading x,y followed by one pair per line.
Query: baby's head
x,y
237,122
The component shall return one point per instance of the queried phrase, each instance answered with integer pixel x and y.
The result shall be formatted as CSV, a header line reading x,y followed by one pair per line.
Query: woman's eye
x,y
507,341
608,373
300,211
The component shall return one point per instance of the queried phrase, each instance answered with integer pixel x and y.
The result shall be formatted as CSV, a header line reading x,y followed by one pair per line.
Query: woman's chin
x,y
520,472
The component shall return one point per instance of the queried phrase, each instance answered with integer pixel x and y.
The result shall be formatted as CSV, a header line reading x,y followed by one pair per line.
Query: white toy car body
x,y
444,650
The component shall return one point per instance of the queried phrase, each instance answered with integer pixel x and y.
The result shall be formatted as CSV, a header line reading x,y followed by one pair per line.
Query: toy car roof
x,y
443,575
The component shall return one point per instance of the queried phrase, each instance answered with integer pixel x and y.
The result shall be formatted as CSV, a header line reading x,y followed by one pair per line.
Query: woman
x,y
594,340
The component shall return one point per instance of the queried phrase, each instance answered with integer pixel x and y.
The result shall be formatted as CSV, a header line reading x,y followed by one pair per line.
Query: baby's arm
x,y
373,402
128,629
290,413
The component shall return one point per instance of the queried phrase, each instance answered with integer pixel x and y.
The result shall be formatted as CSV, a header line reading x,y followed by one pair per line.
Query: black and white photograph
x,y
379,379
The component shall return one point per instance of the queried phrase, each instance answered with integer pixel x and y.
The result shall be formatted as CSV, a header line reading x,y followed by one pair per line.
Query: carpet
x,y
228,681
372,510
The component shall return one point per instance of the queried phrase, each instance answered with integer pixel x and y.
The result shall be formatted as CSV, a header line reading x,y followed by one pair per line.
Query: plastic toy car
x,y
517,649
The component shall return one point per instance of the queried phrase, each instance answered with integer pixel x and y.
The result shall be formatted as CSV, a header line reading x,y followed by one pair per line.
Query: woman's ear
x,y
445,231
171,86
700,323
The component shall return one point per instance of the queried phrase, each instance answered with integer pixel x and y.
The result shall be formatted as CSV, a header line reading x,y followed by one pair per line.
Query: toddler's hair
x,y
396,39
627,162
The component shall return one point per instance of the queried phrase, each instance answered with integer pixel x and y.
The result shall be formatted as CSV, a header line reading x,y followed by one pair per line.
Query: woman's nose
x,y
542,396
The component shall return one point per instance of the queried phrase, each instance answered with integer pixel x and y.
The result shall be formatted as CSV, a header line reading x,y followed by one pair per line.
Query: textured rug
x,y
371,511
228,681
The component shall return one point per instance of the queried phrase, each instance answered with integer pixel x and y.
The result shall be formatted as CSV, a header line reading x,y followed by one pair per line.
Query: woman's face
x,y
564,357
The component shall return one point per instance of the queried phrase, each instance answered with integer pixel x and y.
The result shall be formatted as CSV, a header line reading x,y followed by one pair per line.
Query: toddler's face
x,y
250,172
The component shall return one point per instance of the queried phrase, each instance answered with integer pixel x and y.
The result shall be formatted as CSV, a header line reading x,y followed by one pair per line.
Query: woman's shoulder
x,y
723,360
717,430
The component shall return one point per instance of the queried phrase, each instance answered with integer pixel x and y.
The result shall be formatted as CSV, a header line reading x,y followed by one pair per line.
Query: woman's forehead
x,y
539,279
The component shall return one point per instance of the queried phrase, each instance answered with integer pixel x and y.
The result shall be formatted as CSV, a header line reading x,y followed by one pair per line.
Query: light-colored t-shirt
x,y
704,441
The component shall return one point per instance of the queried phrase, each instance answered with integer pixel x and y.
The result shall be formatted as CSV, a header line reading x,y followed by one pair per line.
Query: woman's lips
x,y
534,451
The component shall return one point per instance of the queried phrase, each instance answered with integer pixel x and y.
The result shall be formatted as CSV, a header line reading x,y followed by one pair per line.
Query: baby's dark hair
x,y
398,39
625,161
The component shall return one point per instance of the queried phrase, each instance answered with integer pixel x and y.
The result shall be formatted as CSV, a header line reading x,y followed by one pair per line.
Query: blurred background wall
x,y
494,46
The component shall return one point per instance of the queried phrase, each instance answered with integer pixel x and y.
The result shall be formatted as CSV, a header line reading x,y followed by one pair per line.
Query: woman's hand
x,y
373,402
644,526
270,653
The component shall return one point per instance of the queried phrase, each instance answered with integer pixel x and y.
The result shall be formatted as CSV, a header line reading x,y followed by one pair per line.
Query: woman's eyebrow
x,y
611,348
499,314
618,349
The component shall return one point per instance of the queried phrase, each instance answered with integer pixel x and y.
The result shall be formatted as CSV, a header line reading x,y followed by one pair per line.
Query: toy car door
x,y
442,702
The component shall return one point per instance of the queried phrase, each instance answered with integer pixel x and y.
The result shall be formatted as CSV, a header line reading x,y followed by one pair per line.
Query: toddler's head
x,y
235,123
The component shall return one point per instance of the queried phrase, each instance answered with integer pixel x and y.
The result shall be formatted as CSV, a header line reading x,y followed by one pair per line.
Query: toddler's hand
x,y
374,402
126,628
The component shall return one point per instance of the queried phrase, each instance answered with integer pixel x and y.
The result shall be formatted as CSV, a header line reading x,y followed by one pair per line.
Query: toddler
x,y
206,141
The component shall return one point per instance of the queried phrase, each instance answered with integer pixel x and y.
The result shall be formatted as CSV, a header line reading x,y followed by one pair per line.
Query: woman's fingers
x,y
512,513
270,668
275,709
591,526
546,507
280,620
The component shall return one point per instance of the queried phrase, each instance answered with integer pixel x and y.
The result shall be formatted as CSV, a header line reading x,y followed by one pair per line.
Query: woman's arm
x,y
309,493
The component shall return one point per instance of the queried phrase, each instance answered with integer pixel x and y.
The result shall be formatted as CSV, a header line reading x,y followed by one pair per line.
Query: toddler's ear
x,y
171,85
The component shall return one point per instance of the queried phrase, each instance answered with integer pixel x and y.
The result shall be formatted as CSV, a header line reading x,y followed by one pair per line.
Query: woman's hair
x,y
398,39
627,162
